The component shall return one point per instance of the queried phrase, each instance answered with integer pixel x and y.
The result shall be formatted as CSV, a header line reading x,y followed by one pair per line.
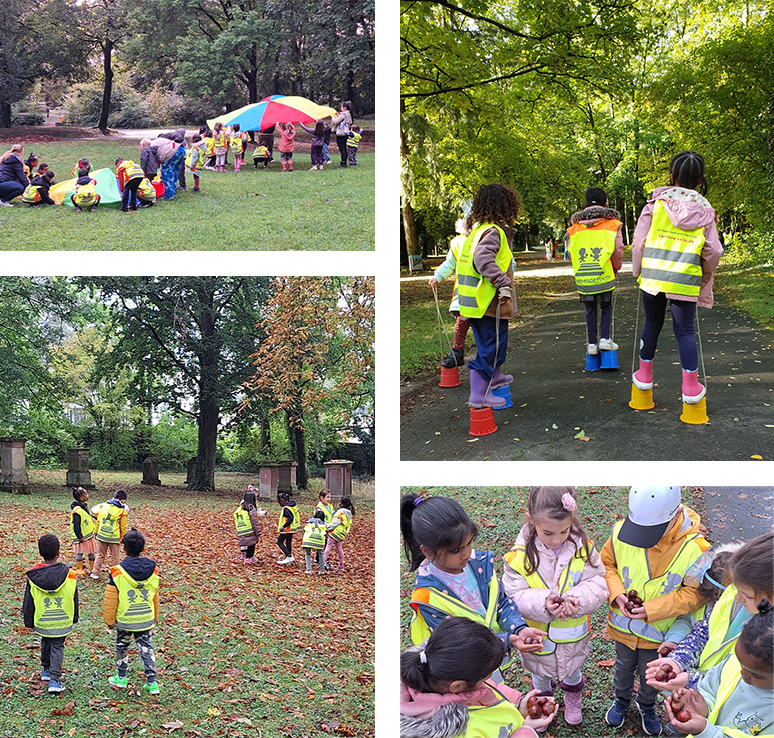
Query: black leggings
x,y
683,313
342,143
285,542
250,551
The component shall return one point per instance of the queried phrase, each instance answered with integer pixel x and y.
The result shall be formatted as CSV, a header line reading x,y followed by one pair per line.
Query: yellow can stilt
x,y
695,414
641,399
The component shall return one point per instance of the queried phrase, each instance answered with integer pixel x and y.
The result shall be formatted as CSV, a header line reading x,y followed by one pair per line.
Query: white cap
x,y
650,510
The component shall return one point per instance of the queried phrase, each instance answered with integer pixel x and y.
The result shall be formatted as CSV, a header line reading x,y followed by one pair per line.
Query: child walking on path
x,y
595,246
248,526
485,283
338,530
314,540
132,607
50,607
446,690
82,530
289,523
557,579
287,144
111,528
675,252
648,554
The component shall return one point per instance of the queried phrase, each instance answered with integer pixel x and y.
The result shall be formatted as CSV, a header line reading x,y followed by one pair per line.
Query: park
x,y
183,391
554,104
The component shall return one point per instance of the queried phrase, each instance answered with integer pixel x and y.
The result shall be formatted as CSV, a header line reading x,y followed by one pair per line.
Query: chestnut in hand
x,y
529,640
683,716
535,712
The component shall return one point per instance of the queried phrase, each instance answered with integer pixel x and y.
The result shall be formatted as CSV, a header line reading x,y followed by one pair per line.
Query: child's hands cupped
x,y
519,641
637,613
570,606
683,702
554,604
542,722
654,667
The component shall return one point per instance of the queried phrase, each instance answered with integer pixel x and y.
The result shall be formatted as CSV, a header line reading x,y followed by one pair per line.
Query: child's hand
x,y
679,680
666,648
432,283
621,601
518,641
543,721
570,606
691,701
554,604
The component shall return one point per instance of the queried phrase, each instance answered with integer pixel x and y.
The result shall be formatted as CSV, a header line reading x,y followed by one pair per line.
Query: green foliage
x,y
49,434
172,441
127,107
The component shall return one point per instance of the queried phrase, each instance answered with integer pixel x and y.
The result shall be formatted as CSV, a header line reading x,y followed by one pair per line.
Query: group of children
x,y
325,529
675,252
694,620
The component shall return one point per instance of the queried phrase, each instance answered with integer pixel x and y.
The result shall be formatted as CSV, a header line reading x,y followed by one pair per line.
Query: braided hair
x,y
757,636
687,170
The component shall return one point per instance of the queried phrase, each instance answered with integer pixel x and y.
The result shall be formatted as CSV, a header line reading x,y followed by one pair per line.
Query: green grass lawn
x,y
241,652
263,210
499,515
750,287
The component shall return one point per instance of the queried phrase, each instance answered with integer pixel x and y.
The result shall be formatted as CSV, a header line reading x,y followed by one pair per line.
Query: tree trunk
x,y
107,91
409,224
302,476
5,115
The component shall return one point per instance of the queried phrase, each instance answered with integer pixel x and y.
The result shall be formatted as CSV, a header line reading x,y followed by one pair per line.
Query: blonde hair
x,y
15,150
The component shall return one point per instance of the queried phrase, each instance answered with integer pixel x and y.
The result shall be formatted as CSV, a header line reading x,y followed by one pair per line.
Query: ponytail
x,y
757,636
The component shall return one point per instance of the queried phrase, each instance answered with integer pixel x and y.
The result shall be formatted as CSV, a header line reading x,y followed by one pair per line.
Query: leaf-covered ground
x,y
499,515
257,651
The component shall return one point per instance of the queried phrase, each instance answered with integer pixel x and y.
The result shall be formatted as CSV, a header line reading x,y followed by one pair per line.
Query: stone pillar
x,y
78,474
338,478
294,474
285,477
150,472
269,481
13,477
190,470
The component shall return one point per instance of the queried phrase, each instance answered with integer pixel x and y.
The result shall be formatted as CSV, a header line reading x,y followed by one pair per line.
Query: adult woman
x,y
341,124
13,179
166,153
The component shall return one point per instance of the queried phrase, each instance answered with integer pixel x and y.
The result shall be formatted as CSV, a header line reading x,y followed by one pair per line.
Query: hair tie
x,y
764,607
422,657
416,504
568,502
712,581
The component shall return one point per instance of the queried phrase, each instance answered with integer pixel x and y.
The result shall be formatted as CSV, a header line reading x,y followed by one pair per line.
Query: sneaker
x,y
286,560
118,682
456,357
591,349
94,576
6,204
78,210
616,713
307,571
55,687
45,675
605,344
152,687
650,722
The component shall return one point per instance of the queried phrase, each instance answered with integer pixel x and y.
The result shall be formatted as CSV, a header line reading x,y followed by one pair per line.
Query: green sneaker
x,y
152,688
118,682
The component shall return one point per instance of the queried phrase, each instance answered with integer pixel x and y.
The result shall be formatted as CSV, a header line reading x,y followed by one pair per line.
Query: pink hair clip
x,y
568,502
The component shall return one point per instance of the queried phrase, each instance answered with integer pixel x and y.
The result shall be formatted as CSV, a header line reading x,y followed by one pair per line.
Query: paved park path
x,y
738,513
555,398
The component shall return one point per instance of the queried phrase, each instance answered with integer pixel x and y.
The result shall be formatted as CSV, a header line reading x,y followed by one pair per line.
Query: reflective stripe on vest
x,y
474,291
242,522
730,677
454,246
314,535
131,170
87,524
341,531
235,143
146,190
108,529
493,721
634,569
590,250
419,629
55,611
557,631
295,524
135,600
718,646
86,194
671,261
31,194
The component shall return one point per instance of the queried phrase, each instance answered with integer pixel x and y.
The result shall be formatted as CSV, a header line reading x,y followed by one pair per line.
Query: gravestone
x,y
190,470
338,478
78,474
285,477
268,481
150,472
13,477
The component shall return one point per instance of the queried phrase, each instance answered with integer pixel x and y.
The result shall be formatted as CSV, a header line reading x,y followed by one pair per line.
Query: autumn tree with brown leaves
x,y
317,359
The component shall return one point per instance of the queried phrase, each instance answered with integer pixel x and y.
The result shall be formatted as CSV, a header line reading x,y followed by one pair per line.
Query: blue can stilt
x,y
505,393
609,359
592,362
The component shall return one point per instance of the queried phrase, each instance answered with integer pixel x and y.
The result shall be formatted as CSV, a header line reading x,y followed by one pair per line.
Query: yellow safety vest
x,y
476,292
314,534
31,194
242,522
235,142
590,250
455,245
219,141
419,629
131,170
146,190
341,531
195,149
558,631
261,152
634,570
493,721
353,139
108,528
327,511
86,194
718,645
87,524
135,600
671,261
55,610
295,524
730,677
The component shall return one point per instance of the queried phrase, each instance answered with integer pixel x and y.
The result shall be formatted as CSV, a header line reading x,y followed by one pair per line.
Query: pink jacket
x,y
590,590
687,210
287,140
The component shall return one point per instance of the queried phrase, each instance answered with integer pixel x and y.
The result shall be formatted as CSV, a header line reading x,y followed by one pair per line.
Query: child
x,y
235,144
129,177
146,193
649,552
486,287
261,155
195,158
675,252
82,164
43,168
326,141
338,530
248,526
287,144
452,577
353,141
132,607
556,579
289,523
220,147
750,578
736,697
314,540
50,607
82,530
595,245
326,508
446,689
36,192
111,527
29,166
317,143
85,196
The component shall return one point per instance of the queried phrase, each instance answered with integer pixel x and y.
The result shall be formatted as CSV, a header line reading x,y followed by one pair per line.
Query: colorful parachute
x,y
107,188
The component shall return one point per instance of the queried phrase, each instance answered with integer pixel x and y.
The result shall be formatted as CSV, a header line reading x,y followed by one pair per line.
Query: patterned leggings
x,y
142,640
170,171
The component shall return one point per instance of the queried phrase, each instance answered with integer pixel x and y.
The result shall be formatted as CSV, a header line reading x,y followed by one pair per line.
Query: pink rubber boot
x,y
693,391
643,377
